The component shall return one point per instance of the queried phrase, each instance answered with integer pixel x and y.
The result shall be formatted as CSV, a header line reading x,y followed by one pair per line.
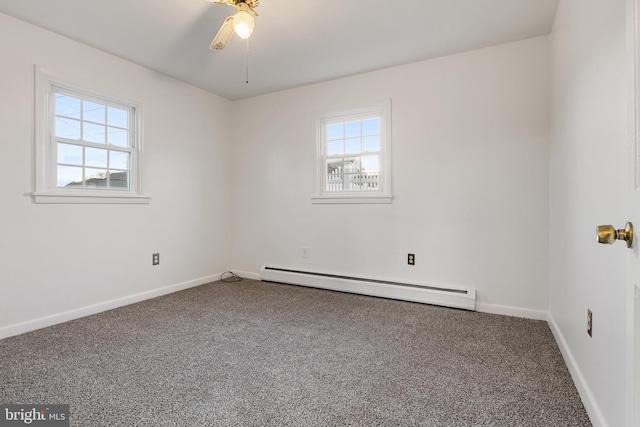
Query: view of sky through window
x,y
89,135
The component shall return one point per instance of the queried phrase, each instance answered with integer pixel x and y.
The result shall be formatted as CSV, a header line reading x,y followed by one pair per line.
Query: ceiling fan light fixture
x,y
243,24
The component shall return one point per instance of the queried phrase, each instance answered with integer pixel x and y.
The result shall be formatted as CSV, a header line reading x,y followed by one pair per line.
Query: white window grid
x,y
108,169
350,172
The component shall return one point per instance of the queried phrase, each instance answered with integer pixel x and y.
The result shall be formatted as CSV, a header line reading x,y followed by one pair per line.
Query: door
x,y
633,262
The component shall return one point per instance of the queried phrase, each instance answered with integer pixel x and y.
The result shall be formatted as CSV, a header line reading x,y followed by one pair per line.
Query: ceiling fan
x,y
242,22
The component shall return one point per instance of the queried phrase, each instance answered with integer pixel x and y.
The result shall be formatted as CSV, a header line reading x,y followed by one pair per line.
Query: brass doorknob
x,y
607,234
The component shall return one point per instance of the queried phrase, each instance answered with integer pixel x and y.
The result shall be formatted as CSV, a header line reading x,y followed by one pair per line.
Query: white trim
x,y
588,400
41,113
351,199
83,197
506,310
54,319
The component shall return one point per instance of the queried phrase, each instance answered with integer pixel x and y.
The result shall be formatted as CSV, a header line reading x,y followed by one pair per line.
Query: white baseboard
x,y
54,319
247,275
506,310
589,402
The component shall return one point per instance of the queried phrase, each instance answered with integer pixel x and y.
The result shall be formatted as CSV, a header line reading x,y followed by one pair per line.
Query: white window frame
x,y
381,110
46,189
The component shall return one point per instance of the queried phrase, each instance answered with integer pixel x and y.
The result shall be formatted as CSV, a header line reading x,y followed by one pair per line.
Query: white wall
x,y
60,258
470,178
588,187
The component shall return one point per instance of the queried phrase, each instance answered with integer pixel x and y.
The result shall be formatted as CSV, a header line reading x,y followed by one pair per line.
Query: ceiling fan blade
x,y
252,4
224,34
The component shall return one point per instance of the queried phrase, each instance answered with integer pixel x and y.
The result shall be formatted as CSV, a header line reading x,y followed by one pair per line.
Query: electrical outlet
x,y
305,252
589,322
155,259
411,259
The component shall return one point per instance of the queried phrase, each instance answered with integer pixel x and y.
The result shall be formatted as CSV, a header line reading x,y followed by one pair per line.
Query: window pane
x,y
69,176
352,146
334,175
93,133
67,106
371,127
67,128
370,143
94,178
95,157
352,129
117,137
335,131
335,147
370,163
119,180
117,117
365,181
118,160
81,127
93,112
351,164
334,166
352,182
70,154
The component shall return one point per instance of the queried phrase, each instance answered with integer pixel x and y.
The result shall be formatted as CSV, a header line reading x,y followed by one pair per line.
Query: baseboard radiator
x,y
406,291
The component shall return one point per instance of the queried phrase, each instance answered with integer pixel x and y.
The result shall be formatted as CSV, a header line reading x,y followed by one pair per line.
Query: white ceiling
x,y
295,42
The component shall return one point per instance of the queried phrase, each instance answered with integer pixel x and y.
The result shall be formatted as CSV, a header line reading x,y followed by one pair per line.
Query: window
x,y
87,147
92,141
354,156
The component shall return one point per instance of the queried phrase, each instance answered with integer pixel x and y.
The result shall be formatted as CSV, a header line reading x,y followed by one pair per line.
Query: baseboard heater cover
x,y
407,291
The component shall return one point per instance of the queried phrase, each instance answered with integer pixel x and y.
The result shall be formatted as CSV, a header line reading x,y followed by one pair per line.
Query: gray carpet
x,y
255,354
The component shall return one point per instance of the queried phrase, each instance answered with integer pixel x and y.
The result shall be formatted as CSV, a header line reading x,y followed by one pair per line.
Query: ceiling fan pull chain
x,y
247,70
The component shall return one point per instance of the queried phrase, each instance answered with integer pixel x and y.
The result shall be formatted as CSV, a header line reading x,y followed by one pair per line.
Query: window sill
x,y
89,198
351,199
